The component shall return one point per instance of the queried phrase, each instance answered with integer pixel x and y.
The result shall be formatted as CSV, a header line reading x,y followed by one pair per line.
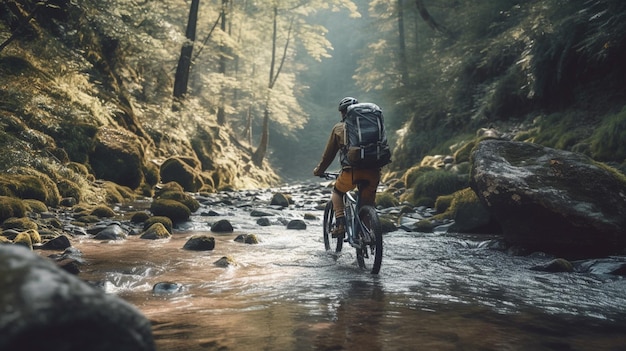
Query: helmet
x,y
345,102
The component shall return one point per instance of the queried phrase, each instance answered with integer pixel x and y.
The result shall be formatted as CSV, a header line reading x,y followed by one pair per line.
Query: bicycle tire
x,y
329,224
370,223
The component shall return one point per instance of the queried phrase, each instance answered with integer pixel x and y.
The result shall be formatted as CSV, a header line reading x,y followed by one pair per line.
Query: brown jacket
x,y
335,143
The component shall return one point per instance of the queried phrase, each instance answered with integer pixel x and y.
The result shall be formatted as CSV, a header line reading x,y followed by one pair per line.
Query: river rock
x,y
247,239
111,232
222,226
297,224
551,200
60,242
200,243
46,308
156,231
167,288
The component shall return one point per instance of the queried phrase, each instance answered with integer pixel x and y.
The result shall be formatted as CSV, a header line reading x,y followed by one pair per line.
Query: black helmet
x,y
345,102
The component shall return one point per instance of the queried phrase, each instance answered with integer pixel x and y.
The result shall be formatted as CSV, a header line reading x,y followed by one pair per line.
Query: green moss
x,y
166,221
411,175
183,198
443,203
68,188
172,209
37,186
35,206
11,207
116,193
139,217
102,211
386,200
19,223
464,152
434,184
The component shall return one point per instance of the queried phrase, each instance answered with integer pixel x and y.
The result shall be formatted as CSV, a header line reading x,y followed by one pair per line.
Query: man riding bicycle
x,y
367,178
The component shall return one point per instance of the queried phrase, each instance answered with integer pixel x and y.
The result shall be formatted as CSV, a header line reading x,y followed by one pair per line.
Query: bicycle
x,y
363,232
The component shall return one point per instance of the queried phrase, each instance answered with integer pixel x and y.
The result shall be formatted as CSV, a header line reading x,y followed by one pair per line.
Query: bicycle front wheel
x,y
329,224
371,236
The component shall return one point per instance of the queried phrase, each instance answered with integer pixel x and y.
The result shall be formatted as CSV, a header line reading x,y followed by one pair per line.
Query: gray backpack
x,y
366,141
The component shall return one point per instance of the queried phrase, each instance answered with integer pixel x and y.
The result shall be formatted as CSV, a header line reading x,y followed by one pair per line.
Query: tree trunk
x,y
181,79
404,71
259,154
221,114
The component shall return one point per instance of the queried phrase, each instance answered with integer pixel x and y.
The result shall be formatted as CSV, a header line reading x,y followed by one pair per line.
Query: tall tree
x,y
181,79
221,114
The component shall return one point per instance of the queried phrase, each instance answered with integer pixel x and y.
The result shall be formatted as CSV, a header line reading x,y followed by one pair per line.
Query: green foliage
x,y
608,142
562,130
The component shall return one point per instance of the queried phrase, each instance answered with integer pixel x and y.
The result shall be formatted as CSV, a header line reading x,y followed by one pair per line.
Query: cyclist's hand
x,y
317,172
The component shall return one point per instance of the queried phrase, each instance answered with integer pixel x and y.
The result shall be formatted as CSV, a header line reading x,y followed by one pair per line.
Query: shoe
x,y
339,231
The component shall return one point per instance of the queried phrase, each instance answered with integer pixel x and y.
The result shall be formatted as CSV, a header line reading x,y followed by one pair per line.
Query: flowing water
x,y
435,291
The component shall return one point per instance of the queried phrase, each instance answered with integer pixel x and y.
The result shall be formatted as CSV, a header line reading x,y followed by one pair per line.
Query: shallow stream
x,y
435,291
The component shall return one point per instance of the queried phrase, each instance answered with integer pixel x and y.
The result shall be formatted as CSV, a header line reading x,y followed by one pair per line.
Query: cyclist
x,y
349,176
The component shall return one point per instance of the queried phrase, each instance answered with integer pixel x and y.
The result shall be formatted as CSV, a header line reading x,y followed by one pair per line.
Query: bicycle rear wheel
x,y
329,224
371,235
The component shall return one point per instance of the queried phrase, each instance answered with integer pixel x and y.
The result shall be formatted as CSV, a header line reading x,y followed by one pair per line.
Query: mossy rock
x,y
78,168
166,221
443,203
247,239
151,174
182,197
183,170
102,211
225,261
386,200
139,217
35,206
24,240
118,157
174,210
464,152
411,175
116,194
387,225
469,214
165,187
434,184
19,223
25,186
423,226
68,188
35,237
11,207
156,231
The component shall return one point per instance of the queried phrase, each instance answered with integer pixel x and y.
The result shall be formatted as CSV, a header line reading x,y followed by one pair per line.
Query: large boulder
x,y
184,171
46,308
118,156
551,200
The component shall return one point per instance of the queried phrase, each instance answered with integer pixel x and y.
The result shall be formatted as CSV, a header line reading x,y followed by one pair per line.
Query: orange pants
x,y
348,180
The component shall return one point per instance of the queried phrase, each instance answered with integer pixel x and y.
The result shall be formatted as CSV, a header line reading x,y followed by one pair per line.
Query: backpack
x,y
366,141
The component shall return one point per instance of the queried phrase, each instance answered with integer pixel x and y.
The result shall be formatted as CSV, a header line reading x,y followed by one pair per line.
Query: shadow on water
x,y
434,292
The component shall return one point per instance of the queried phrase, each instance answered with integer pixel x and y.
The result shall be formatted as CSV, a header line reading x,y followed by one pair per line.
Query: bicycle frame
x,y
363,228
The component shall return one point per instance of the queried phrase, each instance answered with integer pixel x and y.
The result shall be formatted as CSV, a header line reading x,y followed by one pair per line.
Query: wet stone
x,y
200,243
297,224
